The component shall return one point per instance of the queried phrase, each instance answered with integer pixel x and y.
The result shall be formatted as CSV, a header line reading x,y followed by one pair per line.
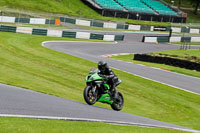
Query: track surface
x,y
18,101
94,52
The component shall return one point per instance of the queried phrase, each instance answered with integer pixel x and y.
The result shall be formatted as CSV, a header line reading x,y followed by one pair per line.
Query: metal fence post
x,y
102,12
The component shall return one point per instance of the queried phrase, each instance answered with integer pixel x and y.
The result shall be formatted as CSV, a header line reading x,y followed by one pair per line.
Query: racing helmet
x,y
102,66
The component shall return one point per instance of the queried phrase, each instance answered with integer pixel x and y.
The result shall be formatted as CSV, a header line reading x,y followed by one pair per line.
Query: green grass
x,y
68,7
192,55
22,125
25,63
52,26
54,6
171,53
181,53
192,43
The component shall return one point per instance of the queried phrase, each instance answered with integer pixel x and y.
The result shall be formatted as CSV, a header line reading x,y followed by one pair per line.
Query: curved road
x,y
20,102
94,51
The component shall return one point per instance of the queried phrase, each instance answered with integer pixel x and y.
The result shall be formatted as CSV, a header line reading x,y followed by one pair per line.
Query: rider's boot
x,y
113,92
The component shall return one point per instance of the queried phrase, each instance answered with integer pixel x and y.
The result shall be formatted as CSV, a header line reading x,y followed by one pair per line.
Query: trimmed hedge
x,y
168,61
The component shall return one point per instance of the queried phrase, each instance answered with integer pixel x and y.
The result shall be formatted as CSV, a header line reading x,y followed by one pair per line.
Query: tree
x,y
196,4
179,4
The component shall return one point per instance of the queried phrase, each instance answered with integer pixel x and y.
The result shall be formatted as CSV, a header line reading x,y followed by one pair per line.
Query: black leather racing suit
x,y
112,78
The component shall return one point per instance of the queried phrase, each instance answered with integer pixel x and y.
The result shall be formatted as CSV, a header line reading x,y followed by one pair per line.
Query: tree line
x,y
195,4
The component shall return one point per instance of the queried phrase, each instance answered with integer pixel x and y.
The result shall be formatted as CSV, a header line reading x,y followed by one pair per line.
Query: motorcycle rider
x,y
106,72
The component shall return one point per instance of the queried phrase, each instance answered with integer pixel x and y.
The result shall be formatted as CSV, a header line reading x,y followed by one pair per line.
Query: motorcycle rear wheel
x,y
89,96
118,103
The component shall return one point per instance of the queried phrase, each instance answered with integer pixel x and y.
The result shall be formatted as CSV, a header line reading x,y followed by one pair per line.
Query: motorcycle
x,y
97,90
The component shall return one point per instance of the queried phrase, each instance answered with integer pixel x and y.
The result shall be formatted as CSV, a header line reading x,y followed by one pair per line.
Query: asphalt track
x,y
20,102
132,44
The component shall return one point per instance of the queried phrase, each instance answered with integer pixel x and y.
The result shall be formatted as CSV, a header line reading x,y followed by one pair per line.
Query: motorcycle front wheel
x,y
118,103
90,96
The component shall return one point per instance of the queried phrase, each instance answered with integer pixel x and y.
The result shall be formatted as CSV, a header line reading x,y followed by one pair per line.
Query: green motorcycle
x,y
97,90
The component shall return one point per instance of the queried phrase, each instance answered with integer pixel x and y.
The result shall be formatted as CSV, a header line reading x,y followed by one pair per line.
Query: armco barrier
x,y
96,36
155,39
25,30
149,39
7,28
56,33
145,27
7,19
195,39
162,39
175,39
97,24
109,37
68,20
134,27
83,22
60,33
185,30
168,61
113,25
37,21
48,21
185,39
39,32
120,26
110,25
69,34
167,39
119,37
26,20
83,35
196,31
22,20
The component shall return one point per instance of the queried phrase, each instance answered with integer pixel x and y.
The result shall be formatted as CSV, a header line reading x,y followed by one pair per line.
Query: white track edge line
x,y
118,54
159,82
43,43
161,69
138,76
97,120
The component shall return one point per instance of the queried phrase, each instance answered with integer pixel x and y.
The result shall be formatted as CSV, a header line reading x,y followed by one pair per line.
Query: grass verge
x,y
68,7
52,26
22,125
189,54
25,63
192,43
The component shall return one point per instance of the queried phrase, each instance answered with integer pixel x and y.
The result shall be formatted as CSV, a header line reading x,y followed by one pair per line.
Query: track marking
x,y
111,55
43,43
159,82
97,120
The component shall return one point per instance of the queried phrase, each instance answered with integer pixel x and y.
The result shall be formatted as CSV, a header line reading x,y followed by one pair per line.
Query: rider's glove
x,y
103,76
